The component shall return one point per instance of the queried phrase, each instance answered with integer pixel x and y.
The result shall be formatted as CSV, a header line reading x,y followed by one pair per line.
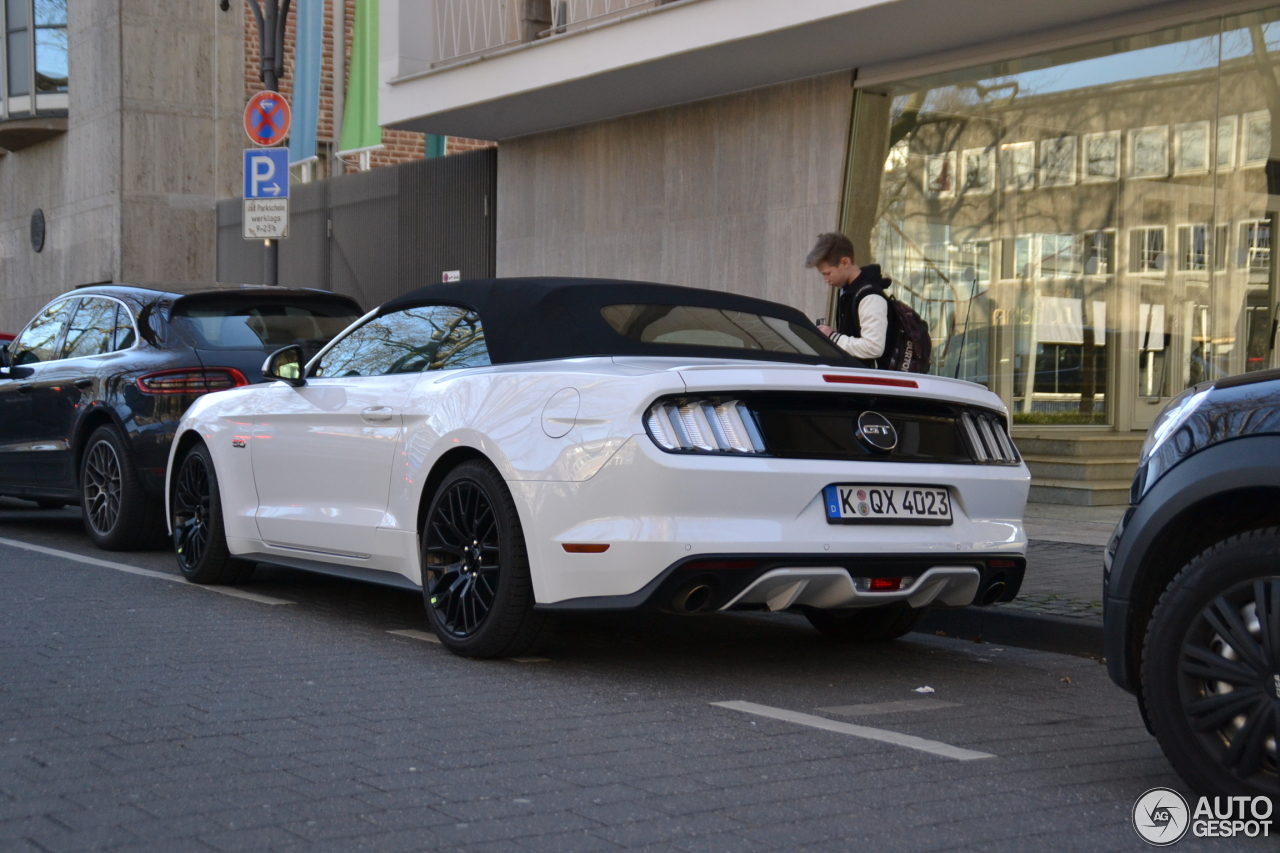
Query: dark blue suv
x,y
1192,586
92,389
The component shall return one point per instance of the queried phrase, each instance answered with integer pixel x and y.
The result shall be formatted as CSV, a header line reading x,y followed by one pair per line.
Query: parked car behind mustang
x,y
92,389
1192,582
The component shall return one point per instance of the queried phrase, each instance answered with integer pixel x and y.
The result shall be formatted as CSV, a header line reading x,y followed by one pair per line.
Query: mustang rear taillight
x,y
989,442
705,426
191,380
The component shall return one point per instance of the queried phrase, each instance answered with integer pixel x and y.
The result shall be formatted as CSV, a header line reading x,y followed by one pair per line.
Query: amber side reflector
x,y
871,380
584,549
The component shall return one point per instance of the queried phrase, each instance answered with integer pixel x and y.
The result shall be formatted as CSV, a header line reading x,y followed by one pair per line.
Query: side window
x,y
123,336
430,337
39,341
92,328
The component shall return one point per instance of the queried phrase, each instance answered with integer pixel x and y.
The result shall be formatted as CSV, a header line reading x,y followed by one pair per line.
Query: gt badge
x,y
237,442
875,431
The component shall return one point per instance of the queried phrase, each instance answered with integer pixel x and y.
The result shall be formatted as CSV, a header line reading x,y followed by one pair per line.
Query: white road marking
x,y
873,708
425,636
147,573
934,747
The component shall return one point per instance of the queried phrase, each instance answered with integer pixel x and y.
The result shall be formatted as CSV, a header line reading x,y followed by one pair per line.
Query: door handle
x,y
84,383
24,389
377,414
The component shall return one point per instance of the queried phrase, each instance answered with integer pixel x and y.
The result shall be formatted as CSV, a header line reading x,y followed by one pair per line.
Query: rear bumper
x,y
653,510
708,583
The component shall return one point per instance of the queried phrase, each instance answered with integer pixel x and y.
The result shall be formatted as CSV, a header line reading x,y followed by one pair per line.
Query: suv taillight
x,y
191,380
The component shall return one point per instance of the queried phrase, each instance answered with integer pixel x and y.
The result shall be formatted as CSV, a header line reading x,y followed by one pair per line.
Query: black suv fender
x,y
1225,489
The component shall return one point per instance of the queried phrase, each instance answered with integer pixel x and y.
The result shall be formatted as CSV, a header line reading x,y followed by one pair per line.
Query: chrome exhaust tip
x,y
993,593
692,599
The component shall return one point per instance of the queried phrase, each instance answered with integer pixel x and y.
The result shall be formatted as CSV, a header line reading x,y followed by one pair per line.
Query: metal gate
x,y
377,234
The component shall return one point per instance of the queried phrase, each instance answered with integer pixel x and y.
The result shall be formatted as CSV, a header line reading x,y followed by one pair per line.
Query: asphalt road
x,y
139,713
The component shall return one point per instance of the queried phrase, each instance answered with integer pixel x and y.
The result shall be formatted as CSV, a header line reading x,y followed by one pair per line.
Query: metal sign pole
x,y
271,17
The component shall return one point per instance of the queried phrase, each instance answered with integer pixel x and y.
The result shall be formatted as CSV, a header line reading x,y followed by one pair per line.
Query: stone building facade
x,y
127,155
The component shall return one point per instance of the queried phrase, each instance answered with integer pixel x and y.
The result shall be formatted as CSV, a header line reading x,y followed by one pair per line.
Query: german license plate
x,y
861,503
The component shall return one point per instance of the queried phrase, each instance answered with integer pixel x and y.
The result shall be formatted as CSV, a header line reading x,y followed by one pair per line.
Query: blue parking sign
x,y
266,173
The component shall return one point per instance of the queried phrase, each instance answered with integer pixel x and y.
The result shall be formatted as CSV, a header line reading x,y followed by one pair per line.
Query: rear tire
x,y
199,537
475,567
1211,668
865,625
118,513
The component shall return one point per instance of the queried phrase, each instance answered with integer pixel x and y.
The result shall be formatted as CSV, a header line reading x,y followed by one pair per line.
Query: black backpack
x,y
908,346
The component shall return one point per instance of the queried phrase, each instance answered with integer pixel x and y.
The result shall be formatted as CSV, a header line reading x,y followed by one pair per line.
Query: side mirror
x,y
285,365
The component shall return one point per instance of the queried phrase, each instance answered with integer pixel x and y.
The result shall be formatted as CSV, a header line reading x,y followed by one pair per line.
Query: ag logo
x,y
875,431
1161,817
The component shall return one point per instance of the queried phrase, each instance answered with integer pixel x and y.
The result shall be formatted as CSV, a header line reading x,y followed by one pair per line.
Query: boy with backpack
x,y
870,324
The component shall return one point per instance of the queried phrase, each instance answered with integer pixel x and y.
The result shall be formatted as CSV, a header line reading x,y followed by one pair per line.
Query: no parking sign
x,y
267,118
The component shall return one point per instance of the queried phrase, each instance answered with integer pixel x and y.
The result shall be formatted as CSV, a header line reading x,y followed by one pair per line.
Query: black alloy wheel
x,y
199,538
1211,669
102,487
464,552
191,512
118,514
476,582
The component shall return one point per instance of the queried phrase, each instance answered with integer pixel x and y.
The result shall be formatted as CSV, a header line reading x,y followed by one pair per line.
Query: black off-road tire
x,y
476,584
1216,738
199,537
865,625
118,513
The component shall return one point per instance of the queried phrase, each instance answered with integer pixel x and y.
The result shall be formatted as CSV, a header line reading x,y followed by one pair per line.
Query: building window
x,y
1146,250
1059,256
51,46
1100,253
35,57
1255,247
1193,248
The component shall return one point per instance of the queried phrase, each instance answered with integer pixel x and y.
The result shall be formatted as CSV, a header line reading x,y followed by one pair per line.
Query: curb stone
x,y
1020,628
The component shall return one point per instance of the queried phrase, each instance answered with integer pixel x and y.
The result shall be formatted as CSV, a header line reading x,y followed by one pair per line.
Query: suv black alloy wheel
x,y
1211,667
118,515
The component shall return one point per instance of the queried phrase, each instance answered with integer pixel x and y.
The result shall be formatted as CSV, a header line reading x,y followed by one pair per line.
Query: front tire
x,y
475,567
1211,668
199,537
865,625
118,513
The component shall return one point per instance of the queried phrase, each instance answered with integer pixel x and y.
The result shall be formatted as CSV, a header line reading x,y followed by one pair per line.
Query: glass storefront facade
x,y
1087,232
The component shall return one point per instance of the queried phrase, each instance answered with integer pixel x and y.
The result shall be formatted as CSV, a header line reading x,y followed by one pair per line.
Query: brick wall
x,y
400,145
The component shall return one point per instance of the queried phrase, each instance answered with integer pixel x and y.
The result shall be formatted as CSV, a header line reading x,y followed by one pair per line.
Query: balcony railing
x,y
469,28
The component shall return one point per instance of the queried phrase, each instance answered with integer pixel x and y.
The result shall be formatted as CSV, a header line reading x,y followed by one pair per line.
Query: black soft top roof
x,y
538,319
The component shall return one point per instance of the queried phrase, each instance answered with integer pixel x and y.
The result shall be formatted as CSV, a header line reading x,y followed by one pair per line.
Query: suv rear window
x,y
262,323
691,325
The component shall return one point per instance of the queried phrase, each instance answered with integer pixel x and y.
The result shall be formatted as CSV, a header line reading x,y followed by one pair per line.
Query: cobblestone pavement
x,y
141,714
1063,579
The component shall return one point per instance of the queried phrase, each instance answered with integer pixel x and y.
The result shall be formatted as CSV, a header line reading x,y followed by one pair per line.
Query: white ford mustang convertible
x,y
517,447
